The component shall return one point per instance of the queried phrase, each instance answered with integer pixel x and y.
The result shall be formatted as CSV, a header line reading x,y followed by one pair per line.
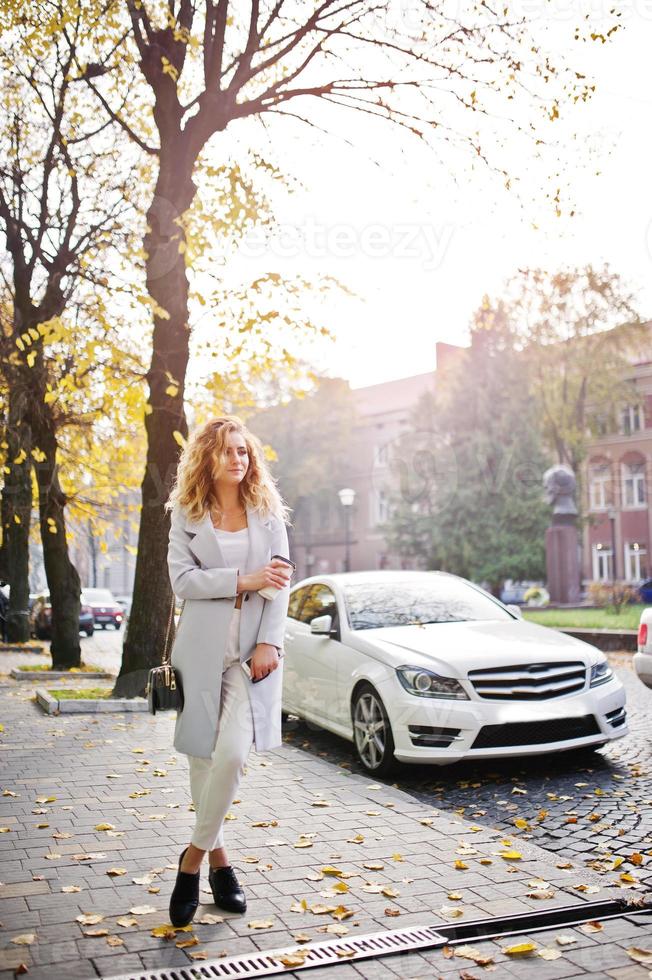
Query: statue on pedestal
x,y
562,542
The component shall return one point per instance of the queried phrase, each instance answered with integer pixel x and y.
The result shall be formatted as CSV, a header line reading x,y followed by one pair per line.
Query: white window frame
x,y
602,559
380,507
599,479
631,419
635,561
635,482
381,455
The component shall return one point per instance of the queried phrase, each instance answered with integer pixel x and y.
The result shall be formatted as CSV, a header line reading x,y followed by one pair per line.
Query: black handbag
x,y
164,689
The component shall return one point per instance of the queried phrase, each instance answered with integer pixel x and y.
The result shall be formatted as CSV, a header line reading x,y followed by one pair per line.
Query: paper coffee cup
x,y
271,591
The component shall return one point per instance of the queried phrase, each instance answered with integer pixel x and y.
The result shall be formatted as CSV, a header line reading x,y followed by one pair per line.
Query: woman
x,y
227,520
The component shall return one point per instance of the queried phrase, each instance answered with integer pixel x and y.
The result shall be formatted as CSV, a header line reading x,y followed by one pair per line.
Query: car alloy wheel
x,y
372,732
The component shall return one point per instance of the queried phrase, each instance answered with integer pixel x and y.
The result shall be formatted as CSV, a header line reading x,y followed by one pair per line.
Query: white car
x,y
427,667
643,659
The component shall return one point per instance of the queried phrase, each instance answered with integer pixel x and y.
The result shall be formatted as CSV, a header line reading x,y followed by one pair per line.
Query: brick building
x,y
618,482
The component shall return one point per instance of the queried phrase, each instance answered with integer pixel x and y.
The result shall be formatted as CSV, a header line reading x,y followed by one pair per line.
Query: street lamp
x,y
347,496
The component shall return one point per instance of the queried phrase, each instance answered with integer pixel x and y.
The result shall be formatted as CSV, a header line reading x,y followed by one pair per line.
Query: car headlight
x,y
600,674
427,684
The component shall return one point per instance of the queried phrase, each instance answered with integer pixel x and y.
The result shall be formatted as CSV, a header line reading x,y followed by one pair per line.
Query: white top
x,y
234,546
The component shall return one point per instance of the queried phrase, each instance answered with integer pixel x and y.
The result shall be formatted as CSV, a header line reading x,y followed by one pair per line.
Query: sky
x,y
419,240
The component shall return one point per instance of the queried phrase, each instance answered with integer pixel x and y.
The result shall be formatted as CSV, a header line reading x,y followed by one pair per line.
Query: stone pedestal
x,y
562,563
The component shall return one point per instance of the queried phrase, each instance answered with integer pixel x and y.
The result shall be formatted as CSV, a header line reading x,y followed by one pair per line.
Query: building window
x,y
631,419
602,562
324,515
380,511
633,484
599,477
635,561
381,454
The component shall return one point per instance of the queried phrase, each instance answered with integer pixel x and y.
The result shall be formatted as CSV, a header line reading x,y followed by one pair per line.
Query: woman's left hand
x,y
264,660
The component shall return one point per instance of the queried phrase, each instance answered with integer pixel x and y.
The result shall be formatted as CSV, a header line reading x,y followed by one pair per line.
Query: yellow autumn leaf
x,y
511,855
261,923
520,949
461,866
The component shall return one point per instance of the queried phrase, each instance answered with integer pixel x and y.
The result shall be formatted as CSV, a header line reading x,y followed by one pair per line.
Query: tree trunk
x,y
167,284
16,516
62,576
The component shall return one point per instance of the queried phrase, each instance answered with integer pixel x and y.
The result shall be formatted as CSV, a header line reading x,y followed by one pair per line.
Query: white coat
x,y
199,574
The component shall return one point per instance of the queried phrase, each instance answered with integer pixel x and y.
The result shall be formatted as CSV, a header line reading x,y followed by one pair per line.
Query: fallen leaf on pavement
x,y
25,939
548,954
589,927
643,956
520,949
471,953
261,923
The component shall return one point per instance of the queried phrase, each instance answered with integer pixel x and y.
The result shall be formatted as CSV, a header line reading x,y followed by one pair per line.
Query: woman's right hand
x,y
276,573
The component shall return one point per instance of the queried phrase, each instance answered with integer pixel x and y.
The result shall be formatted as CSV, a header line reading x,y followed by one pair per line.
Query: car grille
x,y
440,738
535,732
529,682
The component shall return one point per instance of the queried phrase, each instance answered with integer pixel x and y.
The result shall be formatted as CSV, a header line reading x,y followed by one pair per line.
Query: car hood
x,y
457,648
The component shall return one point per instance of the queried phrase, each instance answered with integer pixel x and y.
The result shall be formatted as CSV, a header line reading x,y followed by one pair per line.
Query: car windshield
x,y
433,599
104,596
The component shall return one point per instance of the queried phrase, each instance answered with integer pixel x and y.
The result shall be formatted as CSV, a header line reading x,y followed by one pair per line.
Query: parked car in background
x,y
107,611
425,667
125,602
40,617
643,658
645,591
515,591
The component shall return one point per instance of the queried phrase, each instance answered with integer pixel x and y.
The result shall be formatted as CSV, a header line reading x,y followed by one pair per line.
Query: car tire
x,y
89,633
375,756
289,721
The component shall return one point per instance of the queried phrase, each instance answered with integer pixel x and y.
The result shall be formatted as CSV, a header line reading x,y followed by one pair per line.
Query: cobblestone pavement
x,y
94,811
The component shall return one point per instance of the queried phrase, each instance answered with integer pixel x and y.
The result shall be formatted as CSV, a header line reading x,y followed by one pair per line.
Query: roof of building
x,y
393,396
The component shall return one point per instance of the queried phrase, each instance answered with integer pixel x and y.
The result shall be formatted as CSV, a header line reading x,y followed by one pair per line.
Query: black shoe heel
x,y
185,896
227,891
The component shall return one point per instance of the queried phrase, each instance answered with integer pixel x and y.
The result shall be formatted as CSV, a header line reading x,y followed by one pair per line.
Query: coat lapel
x,y
206,547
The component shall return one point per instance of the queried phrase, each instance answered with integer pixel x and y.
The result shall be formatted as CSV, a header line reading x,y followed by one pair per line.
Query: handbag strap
x,y
166,645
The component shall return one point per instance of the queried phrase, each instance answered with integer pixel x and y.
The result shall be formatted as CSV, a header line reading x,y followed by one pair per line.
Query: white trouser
x,y
214,782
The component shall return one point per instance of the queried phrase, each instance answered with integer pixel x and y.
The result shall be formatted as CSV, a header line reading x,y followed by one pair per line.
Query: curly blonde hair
x,y
194,484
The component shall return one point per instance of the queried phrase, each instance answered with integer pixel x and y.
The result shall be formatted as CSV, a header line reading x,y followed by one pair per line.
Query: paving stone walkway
x,y
64,778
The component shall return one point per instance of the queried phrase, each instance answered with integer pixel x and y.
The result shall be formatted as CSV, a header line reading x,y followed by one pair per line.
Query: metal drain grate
x,y
266,962
325,953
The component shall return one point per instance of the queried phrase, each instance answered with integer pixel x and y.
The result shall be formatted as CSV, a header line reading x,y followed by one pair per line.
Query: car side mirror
x,y
322,625
515,610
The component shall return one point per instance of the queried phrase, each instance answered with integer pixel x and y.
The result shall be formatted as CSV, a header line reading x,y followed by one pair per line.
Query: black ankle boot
x,y
227,891
185,896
